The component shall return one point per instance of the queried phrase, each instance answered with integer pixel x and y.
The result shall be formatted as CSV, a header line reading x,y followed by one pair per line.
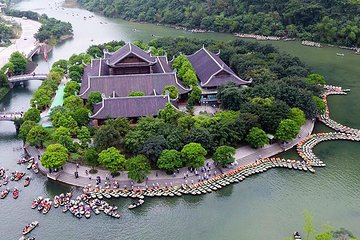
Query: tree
x,y
37,136
136,94
33,114
62,135
81,116
19,61
308,225
169,160
138,167
71,88
122,125
94,97
84,137
55,156
170,114
194,96
173,91
194,155
25,129
298,116
72,103
320,104
231,97
75,76
106,137
224,155
316,79
64,119
92,156
112,159
61,63
257,137
152,147
134,140
287,130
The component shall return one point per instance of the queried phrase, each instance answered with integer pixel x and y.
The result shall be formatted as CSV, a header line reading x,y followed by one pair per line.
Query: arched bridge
x,y
10,116
23,78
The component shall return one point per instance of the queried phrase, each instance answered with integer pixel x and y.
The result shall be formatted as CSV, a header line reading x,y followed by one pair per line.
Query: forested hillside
x,y
330,21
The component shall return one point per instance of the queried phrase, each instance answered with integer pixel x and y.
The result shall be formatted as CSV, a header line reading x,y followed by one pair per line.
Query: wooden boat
x,y
27,181
340,54
4,193
137,204
29,166
15,193
30,227
297,236
26,238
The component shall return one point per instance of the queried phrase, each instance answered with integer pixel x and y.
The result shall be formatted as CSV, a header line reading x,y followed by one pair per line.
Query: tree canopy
x,y
54,156
224,155
112,159
257,137
138,167
194,155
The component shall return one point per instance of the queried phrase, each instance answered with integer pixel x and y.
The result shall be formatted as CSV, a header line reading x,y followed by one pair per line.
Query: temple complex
x,y
131,69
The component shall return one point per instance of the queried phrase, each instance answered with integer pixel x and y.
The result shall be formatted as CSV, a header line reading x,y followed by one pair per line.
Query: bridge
x,y
24,78
10,116
35,50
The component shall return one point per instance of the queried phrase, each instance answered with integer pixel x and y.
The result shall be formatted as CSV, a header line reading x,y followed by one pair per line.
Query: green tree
x,y
320,104
152,147
231,97
92,157
194,155
61,63
194,96
136,94
94,97
170,114
37,136
106,136
62,135
81,116
64,119
71,88
19,61
308,225
287,130
224,155
72,103
32,114
122,125
316,79
173,91
134,140
112,159
298,116
25,129
84,137
138,167
54,156
169,160
75,76
257,137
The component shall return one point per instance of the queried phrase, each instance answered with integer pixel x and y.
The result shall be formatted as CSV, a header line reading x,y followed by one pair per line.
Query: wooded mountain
x,y
329,21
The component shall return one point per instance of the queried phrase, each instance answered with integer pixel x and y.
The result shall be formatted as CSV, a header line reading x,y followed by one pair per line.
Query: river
x,y
265,206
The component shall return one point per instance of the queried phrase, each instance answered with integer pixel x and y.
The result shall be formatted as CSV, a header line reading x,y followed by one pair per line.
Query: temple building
x,y
212,72
130,69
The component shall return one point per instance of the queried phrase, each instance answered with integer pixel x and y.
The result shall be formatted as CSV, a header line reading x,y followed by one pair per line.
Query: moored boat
x,y
30,227
136,204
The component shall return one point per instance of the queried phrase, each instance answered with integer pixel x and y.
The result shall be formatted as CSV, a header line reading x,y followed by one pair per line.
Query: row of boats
x,y
305,147
213,184
5,193
311,44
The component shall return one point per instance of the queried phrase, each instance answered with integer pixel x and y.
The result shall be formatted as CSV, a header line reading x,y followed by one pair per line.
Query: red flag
x,y
45,54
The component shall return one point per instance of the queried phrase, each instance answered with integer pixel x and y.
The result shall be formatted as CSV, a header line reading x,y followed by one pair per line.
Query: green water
x,y
266,206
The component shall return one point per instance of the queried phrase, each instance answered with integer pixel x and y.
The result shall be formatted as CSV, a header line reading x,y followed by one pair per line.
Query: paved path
x,y
244,155
29,28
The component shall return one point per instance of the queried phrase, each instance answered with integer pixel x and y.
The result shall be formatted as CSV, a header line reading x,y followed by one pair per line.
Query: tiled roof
x,y
129,107
97,67
128,49
122,85
207,65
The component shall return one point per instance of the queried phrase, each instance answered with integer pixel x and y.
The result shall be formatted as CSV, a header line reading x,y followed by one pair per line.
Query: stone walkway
x,y
244,155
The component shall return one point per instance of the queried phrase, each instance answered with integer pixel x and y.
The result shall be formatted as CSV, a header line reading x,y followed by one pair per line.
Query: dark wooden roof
x,y
130,49
208,65
129,107
97,67
122,85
